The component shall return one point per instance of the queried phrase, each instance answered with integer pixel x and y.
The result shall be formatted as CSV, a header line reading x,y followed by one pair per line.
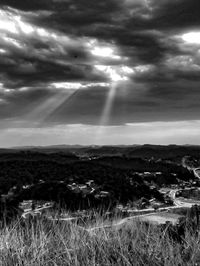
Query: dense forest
x,y
26,168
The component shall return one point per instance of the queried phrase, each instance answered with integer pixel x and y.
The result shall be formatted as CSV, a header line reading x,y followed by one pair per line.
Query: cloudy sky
x,y
99,72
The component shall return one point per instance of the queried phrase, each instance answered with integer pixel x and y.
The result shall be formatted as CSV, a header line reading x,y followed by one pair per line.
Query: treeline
x,y
144,165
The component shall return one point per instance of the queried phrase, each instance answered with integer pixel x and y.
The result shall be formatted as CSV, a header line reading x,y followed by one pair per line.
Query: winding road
x,y
185,203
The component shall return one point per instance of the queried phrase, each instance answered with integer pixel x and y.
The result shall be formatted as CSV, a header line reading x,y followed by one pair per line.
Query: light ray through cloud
x,y
42,111
108,105
105,117
116,75
64,91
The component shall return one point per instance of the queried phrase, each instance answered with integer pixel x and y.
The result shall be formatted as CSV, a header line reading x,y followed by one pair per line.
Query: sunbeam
x,y
44,110
105,117
36,118
116,76
108,105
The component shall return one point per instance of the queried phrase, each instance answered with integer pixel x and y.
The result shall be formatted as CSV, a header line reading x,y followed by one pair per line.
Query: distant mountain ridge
x,y
146,151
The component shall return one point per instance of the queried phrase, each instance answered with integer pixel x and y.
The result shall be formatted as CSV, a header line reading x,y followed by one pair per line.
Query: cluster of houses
x,y
11,200
189,193
88,188
149,174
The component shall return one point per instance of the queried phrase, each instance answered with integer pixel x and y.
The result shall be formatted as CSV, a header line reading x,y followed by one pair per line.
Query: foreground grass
x,y
67,243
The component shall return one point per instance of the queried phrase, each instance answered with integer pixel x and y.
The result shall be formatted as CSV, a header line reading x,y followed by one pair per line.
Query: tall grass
x,y
43,242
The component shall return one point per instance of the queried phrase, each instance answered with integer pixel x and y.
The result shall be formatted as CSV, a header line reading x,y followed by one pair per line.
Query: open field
x,y
161,218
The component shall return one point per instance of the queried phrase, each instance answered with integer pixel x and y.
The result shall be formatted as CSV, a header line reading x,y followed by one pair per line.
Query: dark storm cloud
x,y
114,20
27,5
129,24
163,74
144,33
21,73
40,61
106,20
178,14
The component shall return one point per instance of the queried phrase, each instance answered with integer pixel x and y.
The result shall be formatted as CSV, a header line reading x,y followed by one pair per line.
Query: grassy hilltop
x,y
69,243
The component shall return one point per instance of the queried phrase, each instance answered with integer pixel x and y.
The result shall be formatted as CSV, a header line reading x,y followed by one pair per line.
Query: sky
x,y
103,72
